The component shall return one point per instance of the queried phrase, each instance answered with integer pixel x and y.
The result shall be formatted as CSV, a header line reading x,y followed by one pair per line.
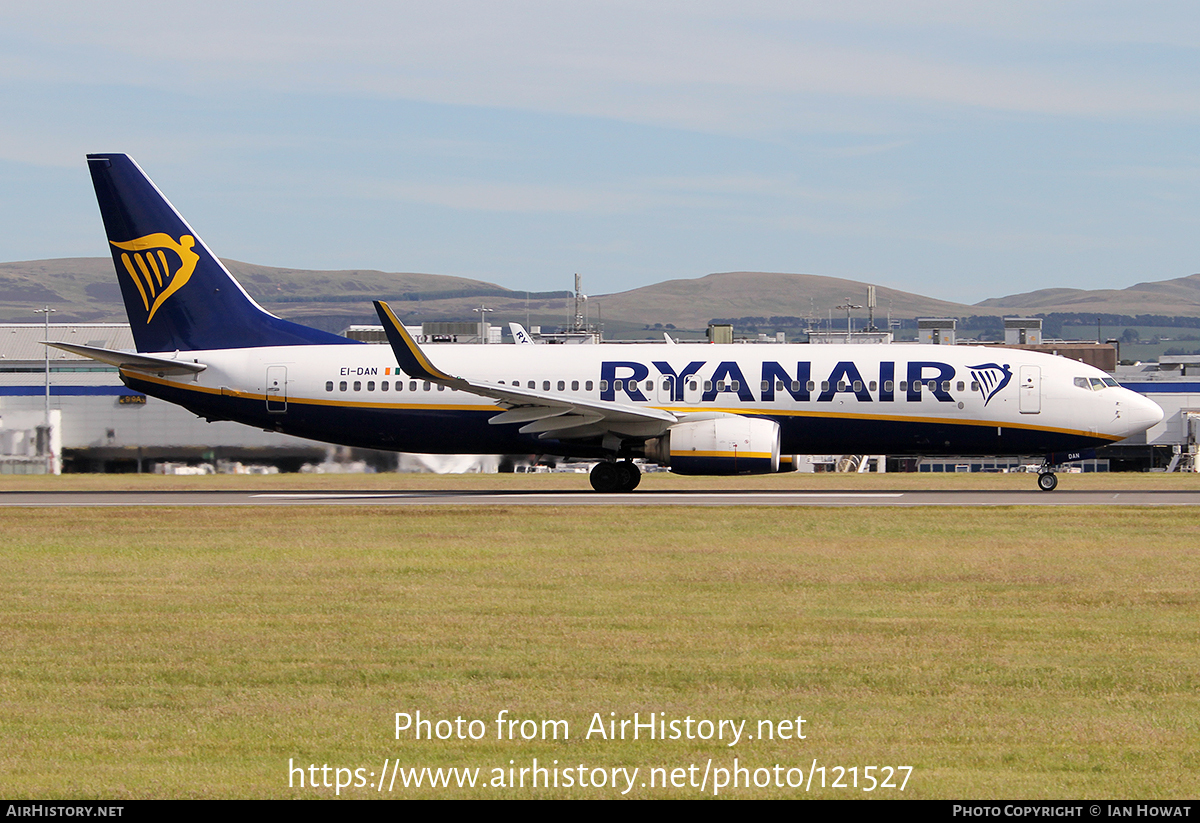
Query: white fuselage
x,y
826,398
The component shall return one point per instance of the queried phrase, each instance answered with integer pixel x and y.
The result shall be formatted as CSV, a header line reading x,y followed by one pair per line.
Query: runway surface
x,y
588,498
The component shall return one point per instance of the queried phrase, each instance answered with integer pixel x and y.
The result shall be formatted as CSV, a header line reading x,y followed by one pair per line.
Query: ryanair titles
x,y
916,378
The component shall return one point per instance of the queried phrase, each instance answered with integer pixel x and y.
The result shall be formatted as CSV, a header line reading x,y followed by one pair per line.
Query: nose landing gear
x,y
1047,480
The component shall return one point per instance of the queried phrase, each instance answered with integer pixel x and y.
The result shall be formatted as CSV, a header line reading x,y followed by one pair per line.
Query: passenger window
x,y
342,386
707,386
960,385
945,385
795,386
603,385
370,385
824,385
532,384
811,386
974,385
574,385
766,385
889,386
412,385
329,386
857,385
734,385
588,386
904,386
441,387
872,386
384,386
426,385
545,385
649,385
358,385
618,385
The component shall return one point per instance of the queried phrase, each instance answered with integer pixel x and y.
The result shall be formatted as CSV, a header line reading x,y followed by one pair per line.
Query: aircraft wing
x,y
130,360
551,416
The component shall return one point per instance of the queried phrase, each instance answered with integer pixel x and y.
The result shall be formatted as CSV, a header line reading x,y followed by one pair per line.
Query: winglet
x,y
408,353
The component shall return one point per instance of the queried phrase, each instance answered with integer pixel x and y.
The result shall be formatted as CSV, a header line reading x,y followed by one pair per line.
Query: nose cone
x,y
1138,413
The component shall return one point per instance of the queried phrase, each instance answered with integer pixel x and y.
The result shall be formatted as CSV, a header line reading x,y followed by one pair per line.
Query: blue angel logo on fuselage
x,y
991,378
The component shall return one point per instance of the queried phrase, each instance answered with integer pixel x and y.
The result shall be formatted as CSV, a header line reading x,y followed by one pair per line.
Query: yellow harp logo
x,y
149,262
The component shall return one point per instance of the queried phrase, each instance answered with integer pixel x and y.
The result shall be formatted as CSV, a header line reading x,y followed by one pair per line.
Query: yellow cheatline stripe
x,y
412,346
746,455
139,375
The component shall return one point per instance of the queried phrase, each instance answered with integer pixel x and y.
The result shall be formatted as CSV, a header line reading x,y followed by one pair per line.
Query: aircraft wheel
x,y
607,477
1047,481
631,475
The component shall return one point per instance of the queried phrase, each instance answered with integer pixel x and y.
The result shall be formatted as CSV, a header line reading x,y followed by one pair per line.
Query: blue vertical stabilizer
x,y
178,295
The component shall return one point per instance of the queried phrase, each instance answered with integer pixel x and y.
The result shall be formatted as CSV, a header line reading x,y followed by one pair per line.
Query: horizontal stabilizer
x,y
130,360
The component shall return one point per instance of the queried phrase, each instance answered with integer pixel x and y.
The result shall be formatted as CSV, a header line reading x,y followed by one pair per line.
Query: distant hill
x,y
85,290
1179,298
692,303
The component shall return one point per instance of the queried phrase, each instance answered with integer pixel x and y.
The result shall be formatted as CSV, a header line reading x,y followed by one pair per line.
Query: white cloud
x,y
732,68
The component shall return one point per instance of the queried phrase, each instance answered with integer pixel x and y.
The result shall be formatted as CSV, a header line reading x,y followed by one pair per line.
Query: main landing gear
x,y
610,476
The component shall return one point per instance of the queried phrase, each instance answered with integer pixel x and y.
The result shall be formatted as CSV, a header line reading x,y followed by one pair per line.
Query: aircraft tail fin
x,y
519,334
178,295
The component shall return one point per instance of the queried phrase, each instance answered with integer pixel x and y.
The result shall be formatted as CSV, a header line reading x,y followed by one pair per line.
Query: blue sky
x,y
957,149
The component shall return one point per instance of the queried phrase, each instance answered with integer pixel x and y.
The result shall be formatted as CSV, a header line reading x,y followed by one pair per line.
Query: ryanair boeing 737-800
x,y
205,344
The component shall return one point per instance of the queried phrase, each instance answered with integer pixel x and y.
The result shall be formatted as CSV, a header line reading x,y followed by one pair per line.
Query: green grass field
x,y
1001,653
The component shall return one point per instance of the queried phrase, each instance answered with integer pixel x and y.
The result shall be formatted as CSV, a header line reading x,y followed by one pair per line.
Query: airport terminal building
x,y
97,424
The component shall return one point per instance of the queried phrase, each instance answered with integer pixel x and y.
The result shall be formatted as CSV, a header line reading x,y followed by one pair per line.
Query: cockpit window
x,y
1095,383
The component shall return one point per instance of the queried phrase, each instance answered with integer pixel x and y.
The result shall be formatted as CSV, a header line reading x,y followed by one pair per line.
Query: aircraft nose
x,y
1139,412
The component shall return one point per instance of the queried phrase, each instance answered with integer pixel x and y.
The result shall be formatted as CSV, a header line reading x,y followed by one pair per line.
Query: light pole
x,y
848,307
483,325
47,311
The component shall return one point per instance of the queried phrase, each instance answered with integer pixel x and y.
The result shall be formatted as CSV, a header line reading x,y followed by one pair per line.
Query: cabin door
x,y
1031,389
277,389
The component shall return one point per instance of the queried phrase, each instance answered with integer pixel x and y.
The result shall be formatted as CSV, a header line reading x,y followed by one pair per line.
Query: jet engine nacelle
x,y
718,445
